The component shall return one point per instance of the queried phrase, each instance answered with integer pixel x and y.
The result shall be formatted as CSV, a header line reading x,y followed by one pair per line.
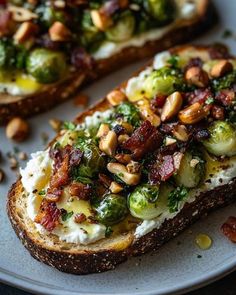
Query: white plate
x,y
175,268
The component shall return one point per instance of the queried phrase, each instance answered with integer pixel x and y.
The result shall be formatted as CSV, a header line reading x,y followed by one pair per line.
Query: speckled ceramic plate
x,y
178,267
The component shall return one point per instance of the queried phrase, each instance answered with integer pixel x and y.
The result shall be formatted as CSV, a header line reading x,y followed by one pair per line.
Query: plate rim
x,y
29,285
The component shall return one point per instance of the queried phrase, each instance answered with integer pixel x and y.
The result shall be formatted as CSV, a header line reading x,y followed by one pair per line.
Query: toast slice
x,y
102,62
190,189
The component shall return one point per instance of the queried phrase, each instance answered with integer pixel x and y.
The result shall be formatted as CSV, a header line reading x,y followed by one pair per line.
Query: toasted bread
x,y
50,96
105,254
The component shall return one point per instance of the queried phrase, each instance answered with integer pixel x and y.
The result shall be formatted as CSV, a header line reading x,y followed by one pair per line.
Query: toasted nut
x,y
133,167
115,187
25,31
80,217
123,138
13,163
17,129
194,162
123,158
147,113
194,113
101,20
221,68
121,171
115,97
128,127
59,32
172,106
103,130
20,14
2,175
197,77
108,143
55,124
169,141
180,132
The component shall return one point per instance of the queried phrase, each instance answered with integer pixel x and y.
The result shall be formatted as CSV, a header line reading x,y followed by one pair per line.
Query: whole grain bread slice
x,y
50,96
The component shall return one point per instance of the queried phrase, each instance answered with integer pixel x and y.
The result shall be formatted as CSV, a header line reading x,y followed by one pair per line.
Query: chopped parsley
x,y
174,61
42,192
209,100
175,197
69,125
65,216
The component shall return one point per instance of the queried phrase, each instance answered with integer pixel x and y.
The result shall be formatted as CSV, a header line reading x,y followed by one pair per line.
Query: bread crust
x,y
30,105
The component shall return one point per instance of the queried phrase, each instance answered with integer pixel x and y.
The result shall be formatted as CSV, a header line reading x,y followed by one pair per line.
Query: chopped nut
x,y
2,175
58,32
172,106
101,20
133,167
197,77
194,162
108,143
123,158
221,68
147,113
20,14
103,130
178,156
80,217
81,100
128,127
123,138
55,124
17,129
115,187
25,31
180,132
115,97
169,141
121,171
194,113
22,156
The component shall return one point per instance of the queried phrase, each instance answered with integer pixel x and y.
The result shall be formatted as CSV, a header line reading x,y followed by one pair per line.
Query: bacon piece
x,y
158,102
80,190
226,97
6,22
229,229
48,215
144,140
199,95
61,175
218,112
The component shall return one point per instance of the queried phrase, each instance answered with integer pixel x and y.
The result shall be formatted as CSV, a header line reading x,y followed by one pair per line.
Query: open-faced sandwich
x,y
136,169
49,48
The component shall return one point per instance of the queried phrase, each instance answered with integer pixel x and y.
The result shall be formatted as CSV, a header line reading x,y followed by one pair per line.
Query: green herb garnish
x,y
175,197
108,232
209,100
69,126
42,192
65,216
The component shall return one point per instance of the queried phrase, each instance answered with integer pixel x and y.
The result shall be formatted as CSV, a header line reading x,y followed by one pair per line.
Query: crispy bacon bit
x,y
80,217
6,22
163,169
61,175
81,59
219,52
53,194
105,180
194,62
92,219
218,112
229,229
145,139
226,97
80,190
48,215
199,95
158,102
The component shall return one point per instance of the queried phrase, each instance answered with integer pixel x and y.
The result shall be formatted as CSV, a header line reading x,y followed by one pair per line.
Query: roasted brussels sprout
x,y
162,10
46,66
92,162
112,209
163,81
191,170
148,201
7,54
123,29
222,141
129,112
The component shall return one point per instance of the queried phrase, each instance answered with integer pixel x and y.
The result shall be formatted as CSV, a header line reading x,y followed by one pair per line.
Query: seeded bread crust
x,y
53,95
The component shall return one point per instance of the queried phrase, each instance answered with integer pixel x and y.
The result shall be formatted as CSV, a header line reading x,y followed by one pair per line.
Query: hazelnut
x,y
221,68
17,129
197,77
172,106
194,113
58,32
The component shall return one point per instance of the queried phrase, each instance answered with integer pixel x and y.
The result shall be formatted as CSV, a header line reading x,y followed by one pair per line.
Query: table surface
x,y
224,286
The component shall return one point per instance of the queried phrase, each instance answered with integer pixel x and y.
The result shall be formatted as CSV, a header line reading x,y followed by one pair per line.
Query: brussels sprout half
x,y
123,28
148,201
191,171
112,209
46,66
161,10
222,141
